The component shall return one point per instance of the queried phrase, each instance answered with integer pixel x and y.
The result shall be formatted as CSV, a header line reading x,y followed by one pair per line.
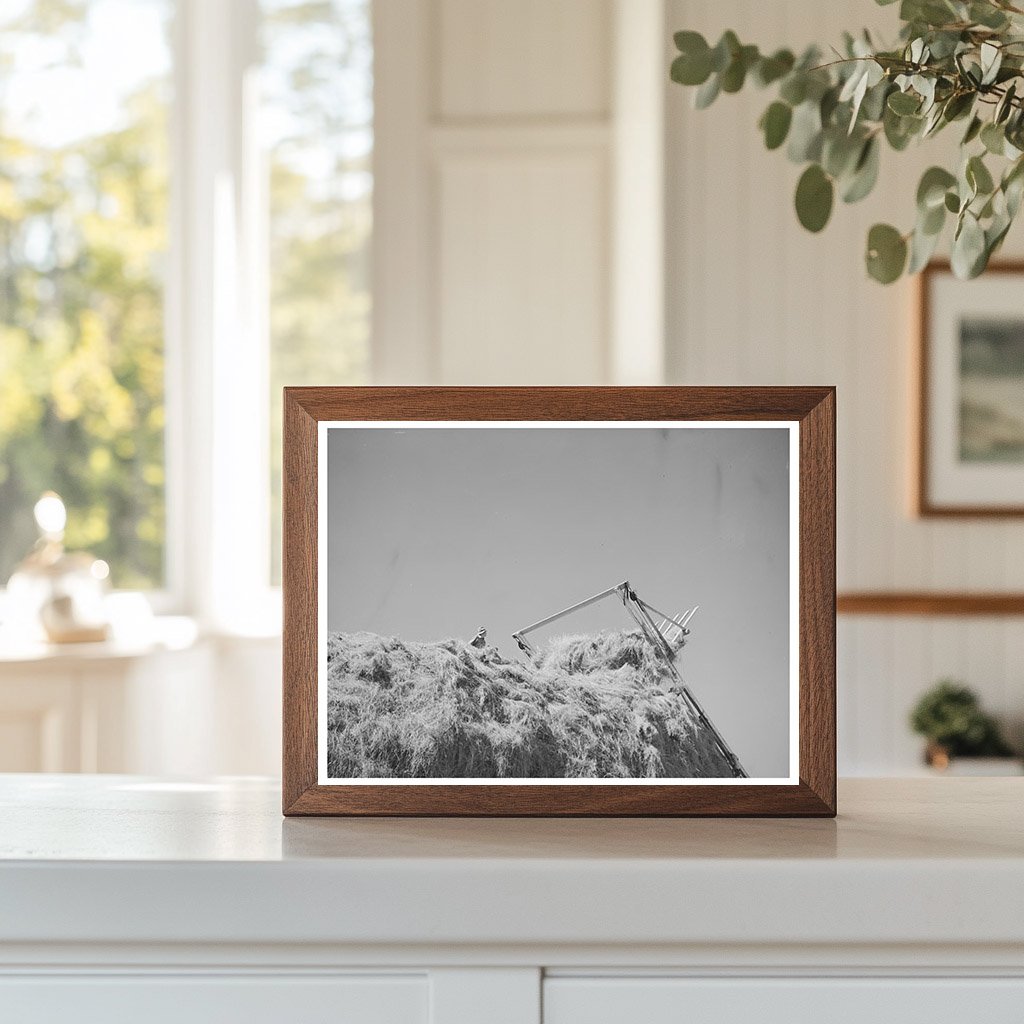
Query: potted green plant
x,y
950,717
956,62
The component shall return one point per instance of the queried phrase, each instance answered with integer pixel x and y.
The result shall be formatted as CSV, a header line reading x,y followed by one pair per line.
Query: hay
x,y
587,707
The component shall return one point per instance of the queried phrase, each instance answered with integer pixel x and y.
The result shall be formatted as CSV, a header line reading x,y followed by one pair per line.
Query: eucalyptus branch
x,y
954,60
842,60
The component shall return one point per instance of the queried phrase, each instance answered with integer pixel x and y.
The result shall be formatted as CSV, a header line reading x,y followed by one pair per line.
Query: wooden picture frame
x,y
807,413
942,489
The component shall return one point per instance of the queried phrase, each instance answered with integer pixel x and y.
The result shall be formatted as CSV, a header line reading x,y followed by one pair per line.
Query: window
x,y
185,222
317,120
83,234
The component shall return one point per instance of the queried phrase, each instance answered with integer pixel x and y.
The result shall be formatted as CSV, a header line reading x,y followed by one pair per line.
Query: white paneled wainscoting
x,y
753,299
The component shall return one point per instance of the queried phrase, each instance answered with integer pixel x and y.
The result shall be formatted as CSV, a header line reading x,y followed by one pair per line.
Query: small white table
x,y
125,898
84,707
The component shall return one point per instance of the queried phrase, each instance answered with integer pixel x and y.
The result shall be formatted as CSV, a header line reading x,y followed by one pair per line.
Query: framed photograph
x,y
970,451
559,601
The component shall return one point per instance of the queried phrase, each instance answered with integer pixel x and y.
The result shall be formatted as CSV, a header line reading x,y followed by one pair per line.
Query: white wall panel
x,y
494,207
522,206
522,285
754,299
527,58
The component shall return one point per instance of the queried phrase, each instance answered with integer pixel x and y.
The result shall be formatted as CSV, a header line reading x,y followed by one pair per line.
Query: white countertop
x,y
121,859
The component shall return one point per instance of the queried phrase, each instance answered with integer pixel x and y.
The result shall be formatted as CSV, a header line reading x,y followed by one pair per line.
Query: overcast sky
x,y
433,532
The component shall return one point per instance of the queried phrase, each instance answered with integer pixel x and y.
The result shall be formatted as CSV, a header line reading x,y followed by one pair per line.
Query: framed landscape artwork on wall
x,y
533,601
970,451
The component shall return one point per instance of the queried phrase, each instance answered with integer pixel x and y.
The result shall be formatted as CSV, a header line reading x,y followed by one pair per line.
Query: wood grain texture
x,y
817,572
923,503
813,408
299,597
925,603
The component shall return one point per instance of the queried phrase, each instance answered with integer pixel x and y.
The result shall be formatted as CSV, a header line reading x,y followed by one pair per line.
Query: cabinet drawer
x,y
202,999
783,1001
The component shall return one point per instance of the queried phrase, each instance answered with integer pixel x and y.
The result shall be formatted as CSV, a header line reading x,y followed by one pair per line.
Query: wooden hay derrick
x,y
667,635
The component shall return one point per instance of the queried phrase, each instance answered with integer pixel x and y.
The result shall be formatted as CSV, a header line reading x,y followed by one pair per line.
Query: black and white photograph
x,y
571,602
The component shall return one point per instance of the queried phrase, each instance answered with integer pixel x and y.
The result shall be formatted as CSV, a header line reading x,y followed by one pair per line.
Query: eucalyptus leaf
x,y
828,105
957,106
933,122
922,248
724,51
1013,127
1005,105
707,93
932,221
973,130
966,187
925,87
775,124
886,253
991,61
931,191
987,15
805,133
873,106
969,71
865,173
690,70
1014,192
1013,187
993,138
930,12
904,103
944,44
817,84
978,176
867,74
900,130
840,152
771,69
735,74
794,88
689,42
814,196
968,248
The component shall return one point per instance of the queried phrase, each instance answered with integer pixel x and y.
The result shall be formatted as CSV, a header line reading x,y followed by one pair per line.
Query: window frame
x,y
217,351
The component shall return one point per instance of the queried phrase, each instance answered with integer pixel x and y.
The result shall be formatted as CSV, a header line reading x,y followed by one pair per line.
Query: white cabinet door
x,y
202,999
783,1001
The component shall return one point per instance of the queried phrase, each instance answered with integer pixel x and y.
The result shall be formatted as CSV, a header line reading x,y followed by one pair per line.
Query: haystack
x,y
587,707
